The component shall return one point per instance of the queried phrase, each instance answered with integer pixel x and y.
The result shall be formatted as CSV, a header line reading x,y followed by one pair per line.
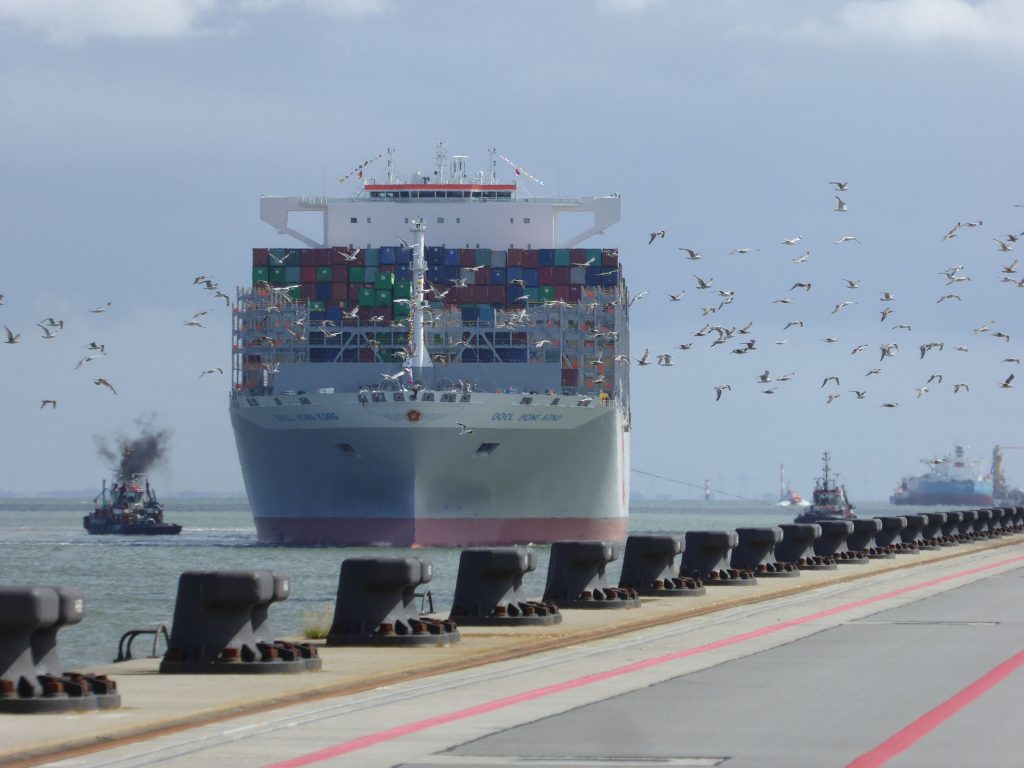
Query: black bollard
x,y
983,525
932,531
996,524
265,637
951,528
1018,519
832,543
912,535
706,557
576,576
377,605
212,630
862,538
797,546
489,590
755,551
649,568
970,518
890,535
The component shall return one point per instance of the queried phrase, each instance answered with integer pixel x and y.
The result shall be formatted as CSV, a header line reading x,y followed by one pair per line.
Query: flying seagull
x,y
211,370
722,387
659,233
463,429
104,383
792,240
51,403
846,239
691,254
1008,383
103,308
840,205
841,186
12,338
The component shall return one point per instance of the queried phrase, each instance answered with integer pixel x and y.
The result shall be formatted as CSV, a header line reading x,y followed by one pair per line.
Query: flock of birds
x,y
715,300
50,328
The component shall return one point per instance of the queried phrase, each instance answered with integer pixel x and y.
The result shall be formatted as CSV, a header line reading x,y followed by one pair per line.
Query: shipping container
x,y
515,257
403,290
609,257
499,259
293,274
370,275
570,377
487,313
324,275
467,257
482,276
514,273
382,297
470,314
277,275
434,256
322,257
339,291
387,269
559,276
496,294
403,256
261,257
260,274
354,292
293,291
316,305
546,275
468,276
307,257
531,277
563,257
371,257
497,276
307,274
339,274
531,258
384,280
546,257
366,296
574,294
307,290
562,292
402,311
577,275
594,275
387,254
403,273
452,257
552,355
324,291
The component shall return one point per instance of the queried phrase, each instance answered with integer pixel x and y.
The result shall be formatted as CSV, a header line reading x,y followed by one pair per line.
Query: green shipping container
x,y
294,293
316,305
277,275
384,280
260,275
371,257
284,257
595,254
292,274
324,274
356,275
483,257
366,297
562,257
534,294
382,297
403,289
402,311
547,293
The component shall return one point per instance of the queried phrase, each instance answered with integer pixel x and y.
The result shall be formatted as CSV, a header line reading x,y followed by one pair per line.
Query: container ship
x,y
444,364
951,479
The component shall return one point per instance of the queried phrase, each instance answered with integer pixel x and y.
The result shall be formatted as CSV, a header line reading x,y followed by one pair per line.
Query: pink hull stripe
x,y
437,532
363,742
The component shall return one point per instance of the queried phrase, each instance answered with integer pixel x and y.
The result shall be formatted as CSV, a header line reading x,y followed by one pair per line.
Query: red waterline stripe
x,y
363,742
928,722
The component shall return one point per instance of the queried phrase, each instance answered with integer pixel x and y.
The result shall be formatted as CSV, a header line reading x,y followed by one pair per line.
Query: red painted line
x,y
928,722
363,742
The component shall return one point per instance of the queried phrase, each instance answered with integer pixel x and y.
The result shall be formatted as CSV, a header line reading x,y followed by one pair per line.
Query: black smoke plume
x,y
130,455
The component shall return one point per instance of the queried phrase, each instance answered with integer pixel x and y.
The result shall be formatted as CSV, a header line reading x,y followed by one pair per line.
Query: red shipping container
x,y
339,258
339,274
609,257
307,257
560,276
483,276
496,294
570,376
353,293
323,257
467,257
260,257
546,275
562,292
307,274
339,292
514,257
307,290
386,268
531,258
477,294
575,292
577,255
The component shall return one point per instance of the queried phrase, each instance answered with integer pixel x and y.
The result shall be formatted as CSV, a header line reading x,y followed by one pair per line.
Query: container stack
x,y
555,306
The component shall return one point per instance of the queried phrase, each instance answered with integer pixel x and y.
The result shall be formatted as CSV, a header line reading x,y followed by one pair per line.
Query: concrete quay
x,y
798,671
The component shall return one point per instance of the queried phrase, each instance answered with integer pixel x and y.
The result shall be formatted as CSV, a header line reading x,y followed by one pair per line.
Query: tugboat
x,y
830,500
130,509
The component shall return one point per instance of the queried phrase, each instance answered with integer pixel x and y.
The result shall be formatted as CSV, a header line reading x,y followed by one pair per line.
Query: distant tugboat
x,y
830,500
130,509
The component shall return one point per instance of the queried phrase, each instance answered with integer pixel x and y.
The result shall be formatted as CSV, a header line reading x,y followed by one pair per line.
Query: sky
x,y
137,138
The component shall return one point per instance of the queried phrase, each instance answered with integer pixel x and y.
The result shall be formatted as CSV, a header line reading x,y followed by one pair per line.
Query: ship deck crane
x,y
999,487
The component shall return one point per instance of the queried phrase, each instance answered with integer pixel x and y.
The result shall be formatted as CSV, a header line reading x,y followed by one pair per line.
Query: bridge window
x,y
353,220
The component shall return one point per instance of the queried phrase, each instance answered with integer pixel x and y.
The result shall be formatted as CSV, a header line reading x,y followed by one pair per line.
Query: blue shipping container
x,y
470,314
403,273
486,314
514,273
387,255
610,280
451,257
547,257
403,256
449,273
316,316
594,275
531,277
333,314
497,276
323,291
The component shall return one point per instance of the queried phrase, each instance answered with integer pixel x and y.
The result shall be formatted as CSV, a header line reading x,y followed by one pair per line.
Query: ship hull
x,y
948,494
334,471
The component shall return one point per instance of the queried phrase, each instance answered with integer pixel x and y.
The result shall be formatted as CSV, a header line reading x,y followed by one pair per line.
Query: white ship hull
x,y
333,470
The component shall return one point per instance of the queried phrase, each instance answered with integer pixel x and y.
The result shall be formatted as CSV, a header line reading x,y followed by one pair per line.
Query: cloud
x,y
982,23
72,21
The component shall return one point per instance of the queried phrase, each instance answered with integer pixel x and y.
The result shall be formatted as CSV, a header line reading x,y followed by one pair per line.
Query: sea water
x,y
131,581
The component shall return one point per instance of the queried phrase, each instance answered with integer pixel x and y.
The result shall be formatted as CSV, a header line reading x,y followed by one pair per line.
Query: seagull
x,y
783,301
889,405
934,377
792,240
104,383
660,233
886,312
805,286
644,360
958,387
889,350
859,348
828,379
786,376
841,305
676,296
12,338
770,390
51,403
841,186
636,298
802,259
830,399
702,283
222,295
97,310
859,393
665,359
952,233
852,283
53,323
1008,383
961,349
921,391
903,326
1010,268
742,250
780,342
794,322
194,323
691,254
983,328
1015,360
47,333
722,387
1003,247
972,224
873,370
840,205
463,429
1000,335
542,342
211,370
85,360
886,296
846,239
764,378
685,346
948,296
830,339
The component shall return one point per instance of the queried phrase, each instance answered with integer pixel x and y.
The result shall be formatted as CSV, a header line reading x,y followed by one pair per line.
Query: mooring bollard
x,y
797,546
265,637
951,528
576,576
932,530
832,542
706,557
755,551
889,536
649,568
376,605
912,536
31,677
862,538
212,629
970,518
1018,519
489,590
983,525
996,523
